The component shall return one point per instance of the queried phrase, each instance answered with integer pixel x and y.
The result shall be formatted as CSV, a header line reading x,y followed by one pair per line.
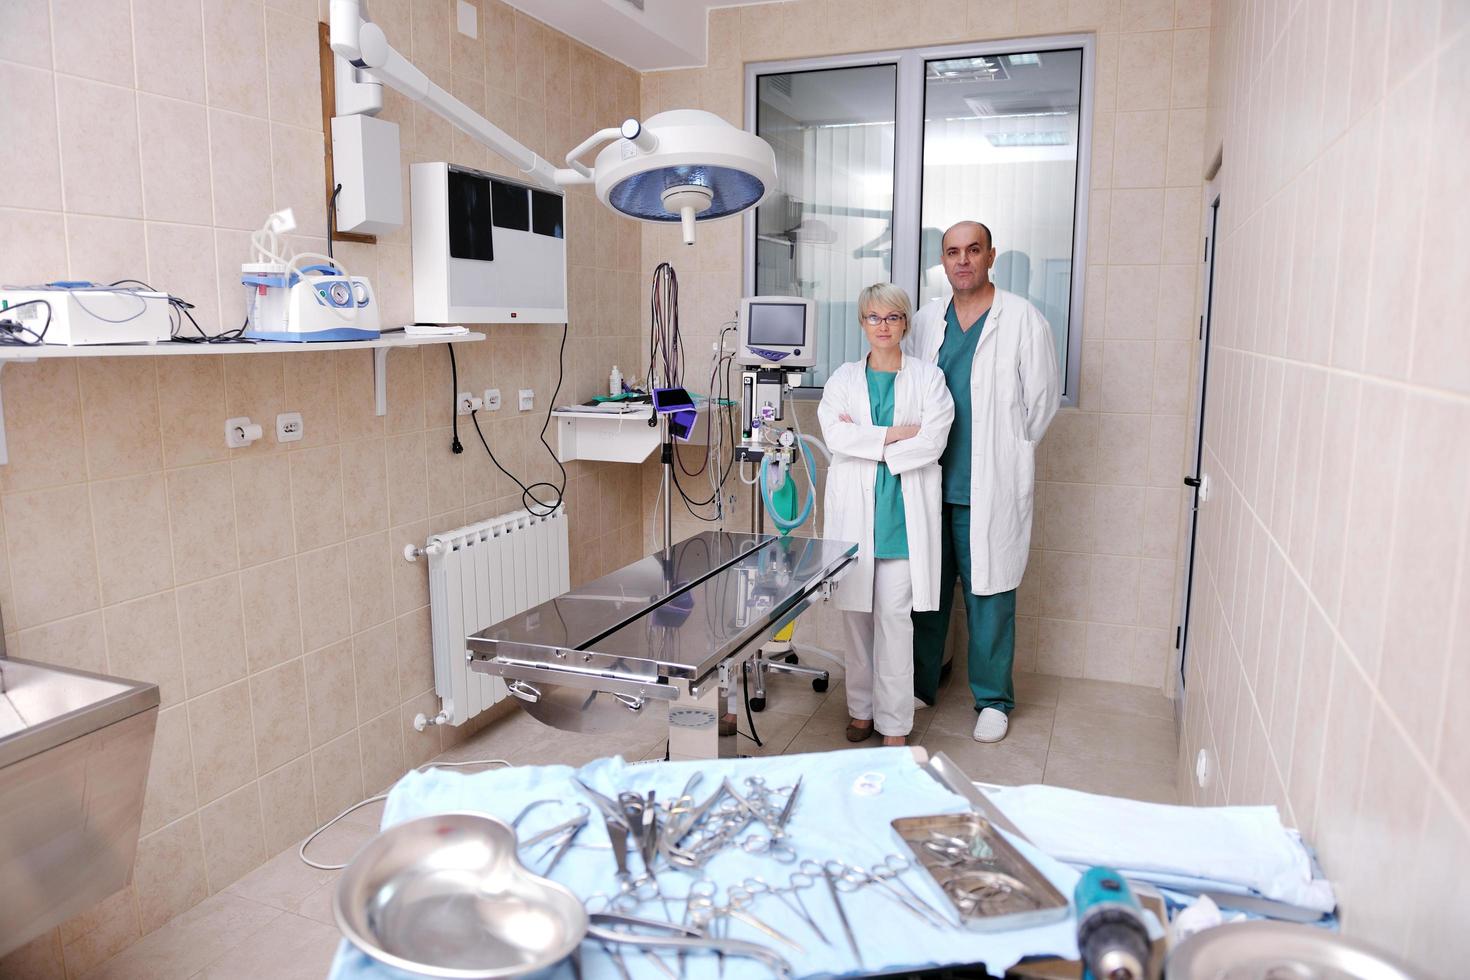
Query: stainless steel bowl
x,y
1262,950
446,896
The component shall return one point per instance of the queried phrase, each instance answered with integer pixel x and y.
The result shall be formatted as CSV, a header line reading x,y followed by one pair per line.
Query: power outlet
x,y
528,399
492,399
289,427
465,403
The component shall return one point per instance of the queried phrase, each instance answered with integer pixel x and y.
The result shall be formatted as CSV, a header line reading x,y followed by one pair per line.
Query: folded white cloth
x,y
1244,846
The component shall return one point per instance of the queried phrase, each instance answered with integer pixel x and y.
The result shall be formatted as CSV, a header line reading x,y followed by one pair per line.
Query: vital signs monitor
x,y
777,331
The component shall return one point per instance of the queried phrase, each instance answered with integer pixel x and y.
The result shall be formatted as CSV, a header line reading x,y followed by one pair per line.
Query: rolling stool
x,y
781,657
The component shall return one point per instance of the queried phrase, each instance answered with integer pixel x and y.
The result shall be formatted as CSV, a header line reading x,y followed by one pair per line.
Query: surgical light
x,y
699,168
684,165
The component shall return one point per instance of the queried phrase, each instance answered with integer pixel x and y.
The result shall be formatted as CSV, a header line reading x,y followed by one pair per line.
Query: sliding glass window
x,y
825,233
876,155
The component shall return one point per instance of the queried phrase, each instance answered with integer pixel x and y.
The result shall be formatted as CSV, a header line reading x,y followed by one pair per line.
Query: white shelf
x,y
379,347
612,437
168,348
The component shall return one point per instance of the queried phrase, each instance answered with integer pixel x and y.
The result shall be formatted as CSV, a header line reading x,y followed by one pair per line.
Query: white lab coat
x,y
1015,388
919,398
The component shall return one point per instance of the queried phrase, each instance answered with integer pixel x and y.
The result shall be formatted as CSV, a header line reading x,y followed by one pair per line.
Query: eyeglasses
x,y
892,319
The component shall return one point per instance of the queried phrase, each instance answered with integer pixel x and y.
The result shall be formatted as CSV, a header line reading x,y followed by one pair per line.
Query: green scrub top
x,y
956,355
890,536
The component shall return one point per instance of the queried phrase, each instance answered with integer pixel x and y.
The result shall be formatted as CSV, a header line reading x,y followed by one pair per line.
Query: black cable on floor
x,y
754,736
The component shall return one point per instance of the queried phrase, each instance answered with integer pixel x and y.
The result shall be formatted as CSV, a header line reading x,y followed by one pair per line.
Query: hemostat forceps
x,y
562,835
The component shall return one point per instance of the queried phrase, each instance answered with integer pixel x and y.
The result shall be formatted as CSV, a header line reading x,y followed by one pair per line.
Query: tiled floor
x,y
277,921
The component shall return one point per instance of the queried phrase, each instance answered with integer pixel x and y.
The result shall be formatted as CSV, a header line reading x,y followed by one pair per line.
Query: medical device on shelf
x,y
84,313
777,339
486,249
302,297
777,331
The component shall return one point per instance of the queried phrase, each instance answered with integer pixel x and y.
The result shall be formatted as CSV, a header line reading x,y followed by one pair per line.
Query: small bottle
x,y
615,382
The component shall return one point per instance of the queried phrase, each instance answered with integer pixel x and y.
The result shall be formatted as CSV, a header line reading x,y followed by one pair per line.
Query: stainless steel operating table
x,y
659,635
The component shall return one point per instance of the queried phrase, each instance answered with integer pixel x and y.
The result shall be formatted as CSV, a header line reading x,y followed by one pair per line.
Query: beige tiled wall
x,y
1099,597
1330,662
263,589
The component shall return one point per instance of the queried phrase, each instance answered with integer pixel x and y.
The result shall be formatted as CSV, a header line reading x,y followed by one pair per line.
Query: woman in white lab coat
x,y
886,420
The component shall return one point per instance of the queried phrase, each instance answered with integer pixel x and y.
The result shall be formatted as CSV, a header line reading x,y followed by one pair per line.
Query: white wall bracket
x,y
380,381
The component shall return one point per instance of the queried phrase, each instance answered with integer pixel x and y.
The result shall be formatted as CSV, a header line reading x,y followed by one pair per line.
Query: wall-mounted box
x,y
365,163
486,249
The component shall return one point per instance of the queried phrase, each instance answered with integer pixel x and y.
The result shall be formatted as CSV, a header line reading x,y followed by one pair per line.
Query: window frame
x,y
908,162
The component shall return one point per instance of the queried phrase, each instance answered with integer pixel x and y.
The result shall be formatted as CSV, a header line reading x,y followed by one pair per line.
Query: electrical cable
x,y
301,851
10,327
179,311
664,341
529,500
332,219
456,446
714,446
749,716
811,475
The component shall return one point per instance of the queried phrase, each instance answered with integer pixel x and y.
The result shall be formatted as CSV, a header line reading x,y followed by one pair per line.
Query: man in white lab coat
x,y
999,362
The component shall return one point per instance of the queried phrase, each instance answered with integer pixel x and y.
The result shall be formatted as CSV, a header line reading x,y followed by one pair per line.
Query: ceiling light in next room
x,y
966,69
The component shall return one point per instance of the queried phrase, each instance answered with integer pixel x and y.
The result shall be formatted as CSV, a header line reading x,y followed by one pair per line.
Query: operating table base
x,y
694,731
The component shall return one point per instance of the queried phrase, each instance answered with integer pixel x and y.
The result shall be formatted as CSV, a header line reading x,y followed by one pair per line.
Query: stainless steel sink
x,y
74,752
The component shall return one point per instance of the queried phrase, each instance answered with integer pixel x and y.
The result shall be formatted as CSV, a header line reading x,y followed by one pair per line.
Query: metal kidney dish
x,y
446,896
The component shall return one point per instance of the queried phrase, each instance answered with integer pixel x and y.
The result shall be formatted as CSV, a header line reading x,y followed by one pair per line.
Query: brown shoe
x,y
895,740
859,733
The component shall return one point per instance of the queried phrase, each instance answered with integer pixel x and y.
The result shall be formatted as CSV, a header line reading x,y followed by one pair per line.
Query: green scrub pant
x,y
991,619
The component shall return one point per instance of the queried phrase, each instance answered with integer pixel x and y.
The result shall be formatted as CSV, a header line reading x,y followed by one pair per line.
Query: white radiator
x,y
479,575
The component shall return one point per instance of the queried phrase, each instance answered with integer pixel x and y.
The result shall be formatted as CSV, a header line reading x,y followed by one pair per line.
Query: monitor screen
x,y
671,400
777,325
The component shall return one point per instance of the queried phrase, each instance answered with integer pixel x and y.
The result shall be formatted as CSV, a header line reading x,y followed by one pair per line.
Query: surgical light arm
x,y
365,46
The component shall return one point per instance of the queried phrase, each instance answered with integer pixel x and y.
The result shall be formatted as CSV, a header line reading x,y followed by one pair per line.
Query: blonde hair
x,y
885,294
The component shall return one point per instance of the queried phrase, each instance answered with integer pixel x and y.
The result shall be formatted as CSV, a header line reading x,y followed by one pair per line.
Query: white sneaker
x,y
991,725
919,704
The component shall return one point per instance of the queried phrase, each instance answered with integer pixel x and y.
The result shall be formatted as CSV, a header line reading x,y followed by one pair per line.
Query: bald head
x,y
968,253
966,231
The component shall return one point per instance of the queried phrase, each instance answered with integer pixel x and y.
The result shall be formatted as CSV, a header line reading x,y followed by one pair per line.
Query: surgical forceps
x,y
891,869
703,910
562,835
640,816
758,886
632,894
773,847
957,851
841,912
854,877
